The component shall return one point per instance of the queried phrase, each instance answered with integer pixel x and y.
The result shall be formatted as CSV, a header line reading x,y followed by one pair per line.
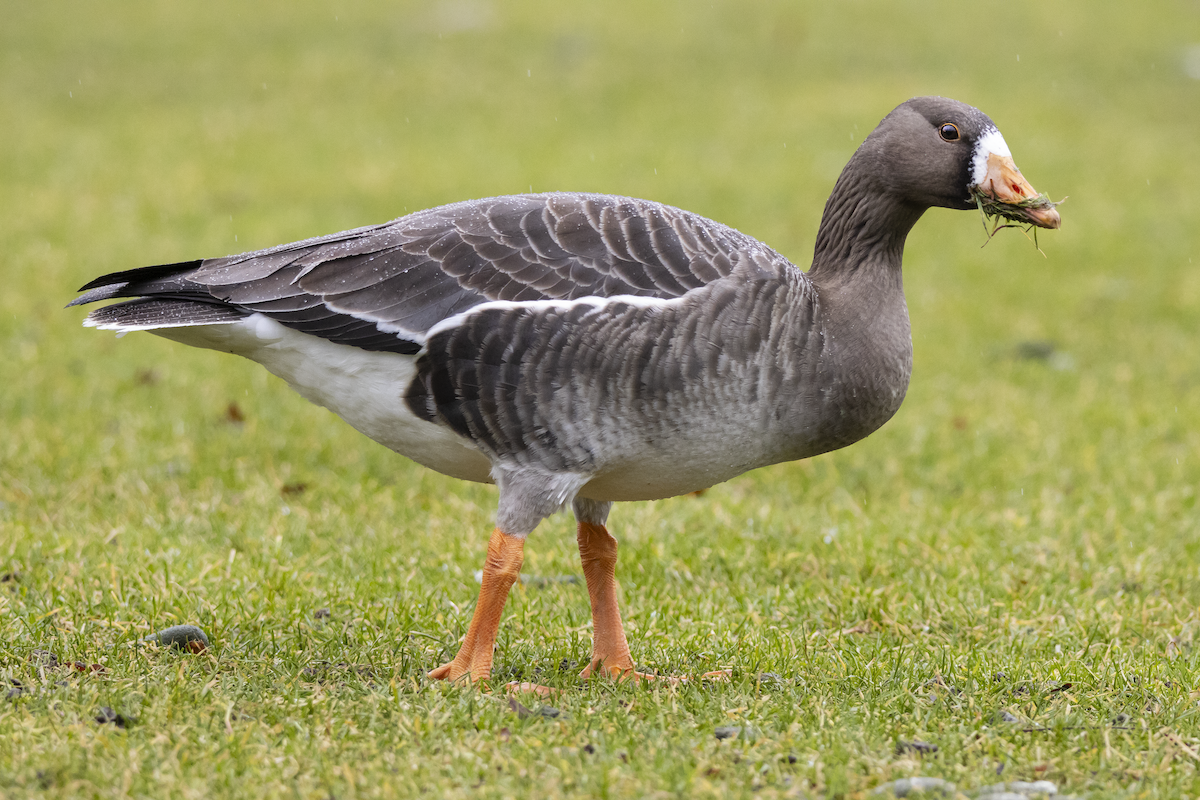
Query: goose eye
x,y
948,132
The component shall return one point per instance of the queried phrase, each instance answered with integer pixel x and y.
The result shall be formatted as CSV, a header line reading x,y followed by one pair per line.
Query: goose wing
x,y
384,287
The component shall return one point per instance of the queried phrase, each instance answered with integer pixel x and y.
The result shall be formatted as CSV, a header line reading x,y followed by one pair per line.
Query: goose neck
x,y
862,233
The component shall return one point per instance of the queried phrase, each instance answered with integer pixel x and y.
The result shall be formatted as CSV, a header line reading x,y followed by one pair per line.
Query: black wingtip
x,y
142,274
103,292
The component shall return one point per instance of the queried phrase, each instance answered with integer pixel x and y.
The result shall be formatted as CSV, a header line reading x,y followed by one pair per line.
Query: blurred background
x,y
1030,514
138,134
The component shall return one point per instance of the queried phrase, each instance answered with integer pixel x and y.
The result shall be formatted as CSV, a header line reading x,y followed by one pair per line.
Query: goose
x,y
580,349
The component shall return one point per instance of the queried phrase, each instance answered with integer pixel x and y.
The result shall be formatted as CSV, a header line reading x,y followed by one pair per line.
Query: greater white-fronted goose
x,y
578,349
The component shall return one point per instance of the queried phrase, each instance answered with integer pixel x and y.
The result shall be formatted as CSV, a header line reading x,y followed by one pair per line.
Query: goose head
x,y
933,151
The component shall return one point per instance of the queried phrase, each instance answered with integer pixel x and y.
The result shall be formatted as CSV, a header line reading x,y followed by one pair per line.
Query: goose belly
x,y
677,455
662,475
364,388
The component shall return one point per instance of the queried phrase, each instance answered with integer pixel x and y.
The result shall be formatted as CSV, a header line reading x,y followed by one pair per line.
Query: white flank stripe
x,y
386,327
547,305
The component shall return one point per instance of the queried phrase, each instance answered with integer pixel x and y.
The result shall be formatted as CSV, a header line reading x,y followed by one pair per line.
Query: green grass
x,y
1023,537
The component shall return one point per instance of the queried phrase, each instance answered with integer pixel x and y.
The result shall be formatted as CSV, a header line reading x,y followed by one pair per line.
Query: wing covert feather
x,y
406,276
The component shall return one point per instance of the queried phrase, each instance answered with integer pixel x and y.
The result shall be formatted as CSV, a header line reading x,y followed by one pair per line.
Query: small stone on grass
x,y
185,637
106,716
919,785
735,732
1016,790
43,658
915,746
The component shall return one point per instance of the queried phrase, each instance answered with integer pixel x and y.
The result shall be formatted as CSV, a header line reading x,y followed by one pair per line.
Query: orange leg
x,y
500,570
610,650
598,551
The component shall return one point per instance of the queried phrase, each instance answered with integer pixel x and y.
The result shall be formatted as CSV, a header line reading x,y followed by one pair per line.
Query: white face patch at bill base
x,y
991,142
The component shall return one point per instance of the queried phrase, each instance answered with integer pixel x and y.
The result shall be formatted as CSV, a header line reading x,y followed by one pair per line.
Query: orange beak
x,y
1005,184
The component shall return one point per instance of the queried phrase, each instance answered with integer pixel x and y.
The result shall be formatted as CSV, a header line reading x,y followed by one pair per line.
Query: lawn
x,y
1003,584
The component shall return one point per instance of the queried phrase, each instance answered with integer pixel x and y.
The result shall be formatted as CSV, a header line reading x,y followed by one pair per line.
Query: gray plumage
x,y
404,277
590,348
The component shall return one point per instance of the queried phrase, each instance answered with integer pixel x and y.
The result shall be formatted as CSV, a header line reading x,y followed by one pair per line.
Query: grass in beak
x,y
992,209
